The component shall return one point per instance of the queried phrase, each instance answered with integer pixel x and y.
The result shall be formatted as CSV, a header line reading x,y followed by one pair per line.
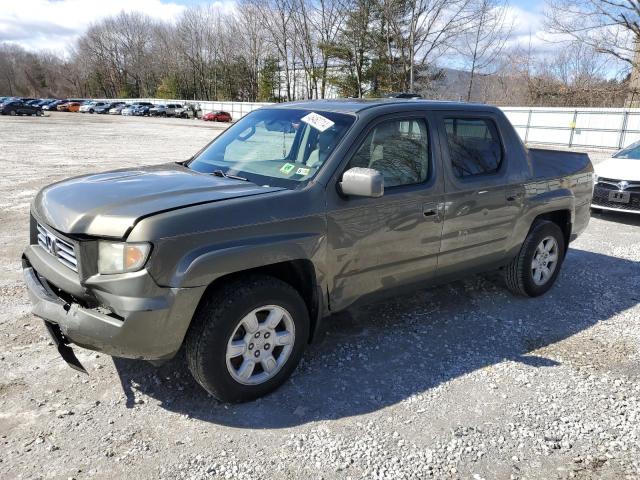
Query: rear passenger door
x,y
480,204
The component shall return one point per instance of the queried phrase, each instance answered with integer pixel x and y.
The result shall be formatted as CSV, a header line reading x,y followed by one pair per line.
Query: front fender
x,y
208,263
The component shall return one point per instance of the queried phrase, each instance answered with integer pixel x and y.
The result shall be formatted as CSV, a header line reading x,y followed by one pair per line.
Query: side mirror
x,y
362,182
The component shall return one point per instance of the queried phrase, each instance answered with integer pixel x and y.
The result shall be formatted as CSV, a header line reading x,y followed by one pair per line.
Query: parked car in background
x,y
161,110
106,107
617,182
182,111
69,106
128,110
171,110
18,107
53,105
218,116
137,109
142,109
239,253
117,109
74,106
90,107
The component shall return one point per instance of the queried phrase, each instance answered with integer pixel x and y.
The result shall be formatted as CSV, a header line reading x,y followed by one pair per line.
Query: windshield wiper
x,y
220,173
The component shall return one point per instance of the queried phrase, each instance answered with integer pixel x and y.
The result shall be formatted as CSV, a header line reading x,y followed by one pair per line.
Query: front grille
x,y
601,199
614,184
63,250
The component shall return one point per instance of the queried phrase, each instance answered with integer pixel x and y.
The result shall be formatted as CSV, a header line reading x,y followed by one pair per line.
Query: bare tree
x,y
483,44
249,30
277,18
327,18
611,27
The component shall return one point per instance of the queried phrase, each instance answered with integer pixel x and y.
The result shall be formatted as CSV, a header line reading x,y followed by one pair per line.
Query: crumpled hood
x,y
619,169
109,204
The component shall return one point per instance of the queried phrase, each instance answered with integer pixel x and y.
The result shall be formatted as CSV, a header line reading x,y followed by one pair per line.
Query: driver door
x,y
379,244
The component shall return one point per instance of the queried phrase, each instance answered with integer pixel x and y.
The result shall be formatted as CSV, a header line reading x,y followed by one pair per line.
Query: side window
x,y
399,149
474,146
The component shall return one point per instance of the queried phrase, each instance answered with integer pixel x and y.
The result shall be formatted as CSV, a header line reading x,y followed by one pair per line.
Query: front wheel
x,y
247,338
536,267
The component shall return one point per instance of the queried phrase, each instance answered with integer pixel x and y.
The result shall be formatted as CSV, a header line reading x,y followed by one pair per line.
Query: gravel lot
x,y
461,381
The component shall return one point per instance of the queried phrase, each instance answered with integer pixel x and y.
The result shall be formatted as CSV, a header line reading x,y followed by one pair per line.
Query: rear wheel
x,y
537,265
247,338
12,113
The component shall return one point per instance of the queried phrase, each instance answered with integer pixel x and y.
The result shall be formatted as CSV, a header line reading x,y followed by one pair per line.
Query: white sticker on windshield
x,y
317,121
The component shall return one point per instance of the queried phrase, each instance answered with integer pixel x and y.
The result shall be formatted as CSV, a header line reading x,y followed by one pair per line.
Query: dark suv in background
x,y
19,107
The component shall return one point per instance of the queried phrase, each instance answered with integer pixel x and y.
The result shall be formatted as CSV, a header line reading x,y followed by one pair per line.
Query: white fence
x,y
608,128
611,128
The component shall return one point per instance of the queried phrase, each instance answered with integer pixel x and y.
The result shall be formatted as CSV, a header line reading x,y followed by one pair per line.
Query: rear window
x,y
474,146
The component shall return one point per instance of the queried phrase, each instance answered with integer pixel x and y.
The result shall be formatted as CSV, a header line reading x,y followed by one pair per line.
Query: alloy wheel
x,y
545,260
260,345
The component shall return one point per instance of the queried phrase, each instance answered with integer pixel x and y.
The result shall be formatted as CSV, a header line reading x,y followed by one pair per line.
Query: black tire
x,y
91,110
215,321
13,113
39,113
518,274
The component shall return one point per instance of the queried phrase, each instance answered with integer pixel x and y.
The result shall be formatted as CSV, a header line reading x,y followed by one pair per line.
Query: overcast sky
x,y
55,24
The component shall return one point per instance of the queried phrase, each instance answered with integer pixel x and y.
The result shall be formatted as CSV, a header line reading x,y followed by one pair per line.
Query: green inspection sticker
x,y
287,168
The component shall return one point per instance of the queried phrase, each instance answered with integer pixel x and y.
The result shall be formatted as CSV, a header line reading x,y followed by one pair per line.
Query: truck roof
x,y
355,105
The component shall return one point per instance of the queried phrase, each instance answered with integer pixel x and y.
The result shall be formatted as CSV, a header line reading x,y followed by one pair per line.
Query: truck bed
x,y
547,164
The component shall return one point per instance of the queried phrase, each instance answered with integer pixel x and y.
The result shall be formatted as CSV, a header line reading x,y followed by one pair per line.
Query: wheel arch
x,y
300,274
562,218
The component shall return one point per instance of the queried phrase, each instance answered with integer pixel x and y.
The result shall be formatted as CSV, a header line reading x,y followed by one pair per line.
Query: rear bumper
x,y
152,330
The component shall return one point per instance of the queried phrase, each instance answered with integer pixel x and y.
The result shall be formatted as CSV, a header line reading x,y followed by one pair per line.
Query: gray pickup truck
x,y
295,212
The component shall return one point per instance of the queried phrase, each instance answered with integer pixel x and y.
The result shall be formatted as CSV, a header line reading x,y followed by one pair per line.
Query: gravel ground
x,y
460,381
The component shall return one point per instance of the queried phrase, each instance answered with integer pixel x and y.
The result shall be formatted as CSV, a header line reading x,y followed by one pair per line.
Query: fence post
x,y
526,131
623,129
573,127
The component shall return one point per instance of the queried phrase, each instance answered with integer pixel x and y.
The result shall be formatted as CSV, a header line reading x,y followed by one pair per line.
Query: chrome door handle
x,y
431,210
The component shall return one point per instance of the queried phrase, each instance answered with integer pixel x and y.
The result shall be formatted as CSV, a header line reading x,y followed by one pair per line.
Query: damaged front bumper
x,y
148,322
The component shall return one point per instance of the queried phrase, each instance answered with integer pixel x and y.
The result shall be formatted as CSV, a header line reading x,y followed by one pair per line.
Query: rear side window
x,y
474,146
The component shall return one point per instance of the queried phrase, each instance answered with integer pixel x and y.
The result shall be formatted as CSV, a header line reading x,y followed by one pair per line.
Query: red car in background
x,y
218,116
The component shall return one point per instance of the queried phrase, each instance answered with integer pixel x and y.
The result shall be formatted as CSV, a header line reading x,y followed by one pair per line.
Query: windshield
x,y
632,152
278,147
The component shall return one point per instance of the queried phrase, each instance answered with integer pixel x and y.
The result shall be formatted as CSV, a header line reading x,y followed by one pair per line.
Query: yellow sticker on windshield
x,y
287,168
303,171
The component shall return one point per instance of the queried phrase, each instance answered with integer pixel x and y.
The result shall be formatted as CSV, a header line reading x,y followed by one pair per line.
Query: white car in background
x,y
617,181
90,107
